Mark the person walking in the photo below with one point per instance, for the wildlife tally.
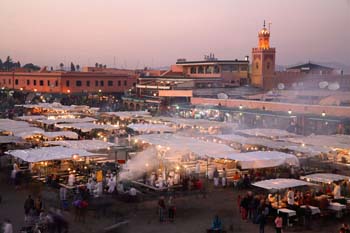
(171, 209)
(28, 205)
(161, 209)
(279, 223)
(224, 177)
(7, 226)
(216, 177)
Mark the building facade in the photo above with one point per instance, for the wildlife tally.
(68, 82)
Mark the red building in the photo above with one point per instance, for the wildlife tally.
(69, 82)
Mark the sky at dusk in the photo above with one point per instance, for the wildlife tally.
(142, 33)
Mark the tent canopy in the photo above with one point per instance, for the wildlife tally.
(10, 139)
(278, 184)
(186, 144)
(150, 128)
(128, 114)
(269, 133)
(89, 145)
(66, 120)
(197, 122)
(66, 134)
(328, 141)
(263, 159)
(49, 153)
(324, 177)
(86, 126)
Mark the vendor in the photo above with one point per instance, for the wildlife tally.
(71, 179)
(337, 191)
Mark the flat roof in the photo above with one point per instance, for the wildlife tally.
(211, 62)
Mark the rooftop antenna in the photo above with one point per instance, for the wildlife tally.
(264, 23)
(270, 26)
(114, 62)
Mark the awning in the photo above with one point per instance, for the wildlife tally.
(150, 128)
(89, 145)
(324, 177)
(278, 184)
(49, 153)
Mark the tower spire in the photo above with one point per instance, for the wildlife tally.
(264, 23)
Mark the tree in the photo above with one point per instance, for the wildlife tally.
(96, 64)
(1, 65)
(18, 65)
(51, 68)
(31, 66)
(72, 67)
(105, 66)
(100, 65)
(61, 66)
(77, 67)
(8, 63)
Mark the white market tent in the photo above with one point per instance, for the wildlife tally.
(31, 118)
(278, 145)
(324, 177)
(58, 107)
(128, 114)
(150, 128)
(186, 145)
(66, 120)
(263, 159)
(89, 145)
(48, 153)
(87, 126)
(278, 184)
(328, 141)
(201, 123)
(263, 132)
(65, 134)
(10, 139)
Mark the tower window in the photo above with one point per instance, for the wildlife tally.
(200, 70)
(268, 65)
(193, 70)
(257, 65)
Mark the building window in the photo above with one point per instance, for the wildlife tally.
(78, 83)
(134, 84)
(102, 83)
(41, 82)
(56, 83)
(67, 83)
(48, 83)
(257, 65)
(125, 83)
(119, 83)
(96, 83)
(28, 82)
(16, 81)
(244, 68)
(216, 69)
(193, 70)
(110, 83)
(34, 82)
(9, 81)
(268, 65)
(87, 83)
(200, 70)
(208, 70)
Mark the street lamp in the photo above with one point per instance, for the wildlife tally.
(323, 114)
(240, 106)
(289, 112)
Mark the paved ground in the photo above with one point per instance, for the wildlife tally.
(193, 215)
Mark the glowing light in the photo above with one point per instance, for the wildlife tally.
(21, 88)
(240, 106)
(99, 90)
(323, 114)
(68, 91)
(289, 111)
(35, 90)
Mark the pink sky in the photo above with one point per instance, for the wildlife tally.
(156, 32)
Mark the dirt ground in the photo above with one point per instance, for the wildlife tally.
(194, 214)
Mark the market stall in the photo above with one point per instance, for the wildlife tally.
(151, 128)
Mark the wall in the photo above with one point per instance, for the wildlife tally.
(275, 106)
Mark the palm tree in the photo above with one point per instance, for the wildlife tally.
(61, 66)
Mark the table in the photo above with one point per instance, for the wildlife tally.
(288, 212)
(314, 209)
(337, 207)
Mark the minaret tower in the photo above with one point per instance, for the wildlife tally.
(263, 60)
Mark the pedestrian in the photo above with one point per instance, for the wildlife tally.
(63, 198)
(216, 225)
(7, 226)
(262, 217)
(216, 177)
(171, 209)
(38, 205)
(279, 223)
(224, 178)
(244, 207)
(161, 209)
(28, 205)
